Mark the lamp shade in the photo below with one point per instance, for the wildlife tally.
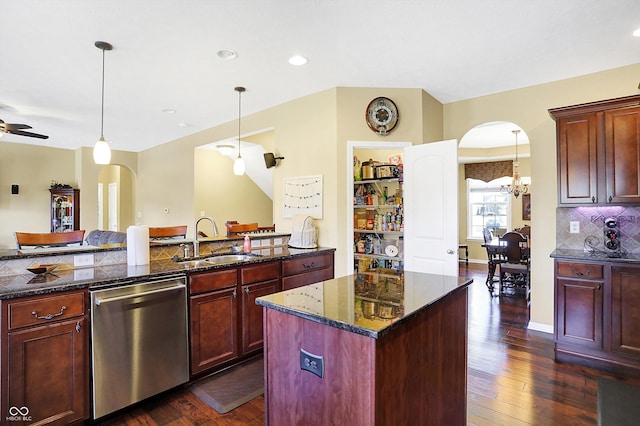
(102, 152)
(238, 166)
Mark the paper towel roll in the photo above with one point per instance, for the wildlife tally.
(138, 245)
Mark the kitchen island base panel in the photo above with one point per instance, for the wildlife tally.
(415, 374)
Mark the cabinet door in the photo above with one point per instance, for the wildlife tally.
(625, 311)
(579, 315)
(577, 159)
(214, 329)
(622, 136)
(49, 372)
(252, 333)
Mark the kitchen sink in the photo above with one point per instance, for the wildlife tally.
(221, 259)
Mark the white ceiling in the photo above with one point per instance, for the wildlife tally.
(164, 56)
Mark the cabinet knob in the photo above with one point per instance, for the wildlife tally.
(78, 327)
(593, 199)
(235, 293)
(610, 198)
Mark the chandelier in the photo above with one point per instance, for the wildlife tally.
(517, 187)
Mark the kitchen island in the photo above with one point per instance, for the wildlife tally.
(377, 348)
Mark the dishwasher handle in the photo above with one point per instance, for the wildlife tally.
(99, 301)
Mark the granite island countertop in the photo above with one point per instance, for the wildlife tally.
(370, 304)
(65, 279)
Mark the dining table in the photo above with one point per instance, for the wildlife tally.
(496, 255)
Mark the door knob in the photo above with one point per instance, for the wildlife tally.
(449, 251)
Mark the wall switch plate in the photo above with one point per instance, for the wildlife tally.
(83, 260)
(312, 363)
(574, 227)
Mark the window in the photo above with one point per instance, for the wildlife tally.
(488, 208)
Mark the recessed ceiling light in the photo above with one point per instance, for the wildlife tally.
(298, 60)
(169, 111)
(227, 54)
(182, 124)
(637, 32)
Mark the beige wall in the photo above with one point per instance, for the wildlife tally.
(224, 196)
(32, 168)
(528, 108)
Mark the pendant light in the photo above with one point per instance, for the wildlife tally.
(101, 150)
(238, 164)
(517, 187)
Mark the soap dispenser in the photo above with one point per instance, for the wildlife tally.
(247, 244)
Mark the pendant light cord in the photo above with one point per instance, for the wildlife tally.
(239, 90)
(102, 105)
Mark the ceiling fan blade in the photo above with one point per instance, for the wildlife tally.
(30, 134)
(12, 126)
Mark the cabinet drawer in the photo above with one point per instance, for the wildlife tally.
(299, 280)
(44, 309)
(587, 271)
(306, 264)
(207, 281)
(261, 272)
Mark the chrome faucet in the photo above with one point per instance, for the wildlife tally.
(196, 243)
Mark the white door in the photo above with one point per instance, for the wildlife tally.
(113, 207)
(431, 208)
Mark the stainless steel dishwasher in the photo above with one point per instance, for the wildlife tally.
(139, 342)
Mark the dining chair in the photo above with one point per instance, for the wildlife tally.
(493, 257)
(48, 239)
(167, 232)
(516, 263)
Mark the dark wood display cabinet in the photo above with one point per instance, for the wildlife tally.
(597, 312)
(45, 359)
(598, 152)
(65, 209)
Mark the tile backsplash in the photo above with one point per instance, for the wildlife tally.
(591, 221)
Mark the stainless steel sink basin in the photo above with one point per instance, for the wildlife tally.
(229, 258)
(218, 260)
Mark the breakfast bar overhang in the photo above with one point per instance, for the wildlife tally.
(377, 348)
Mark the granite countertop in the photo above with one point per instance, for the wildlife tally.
(370, 304)
(600, 256)
(22, 285)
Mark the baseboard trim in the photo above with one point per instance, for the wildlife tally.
(545, 328)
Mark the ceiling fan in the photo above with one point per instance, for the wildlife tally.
(18, 129)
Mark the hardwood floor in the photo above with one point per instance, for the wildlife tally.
(512, 377)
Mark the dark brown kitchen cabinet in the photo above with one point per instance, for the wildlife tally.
(597, 312)
(622, 154)
(305, 270)
(65, 209)
(579, 318)
(598, 147)
(45, 358)
(257, 280)
(625, 311)
(213, 310)
(226, 323)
